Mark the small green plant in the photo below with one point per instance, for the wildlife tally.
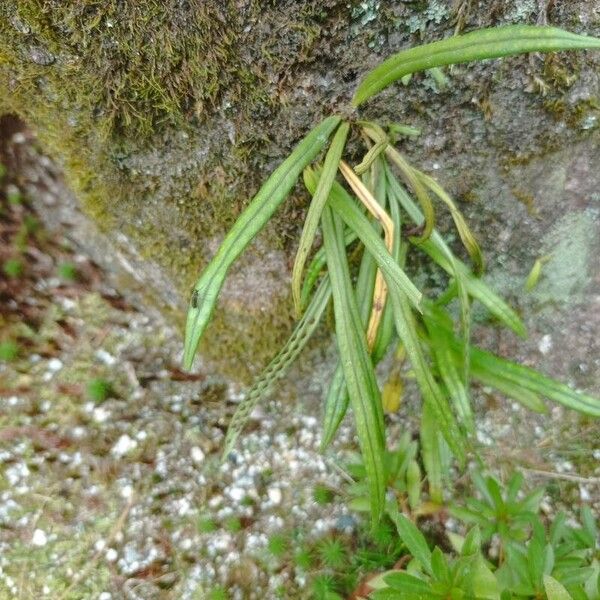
(206, 525)
(332, 553)
(324, 588)
(98, 390)
(218, 593)
(13, 268)
(323, 495)
(9, 350)
(67, 271)
(277, 545)
(381, 218)
(303, 558)
(232, 524)
(14, 197)
(402, 477)
(560, 563)
(500, 511)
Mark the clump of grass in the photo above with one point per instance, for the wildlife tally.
(323, 495)
(303, 558)
(332, 553)
(67, 271)
(218, 593)
(99, 389)
(9, 350)
(206, 525)
(233, 524)
(277, 545)
(13, 268)
(14, 197)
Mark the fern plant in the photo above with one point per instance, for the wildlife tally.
(385, 206)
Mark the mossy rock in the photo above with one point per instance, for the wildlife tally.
(166, 116)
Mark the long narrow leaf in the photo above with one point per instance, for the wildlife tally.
(280, 364)
(317, 264)
(409, 174)
(477, 45)
(438, 250)
(413, 538)
(432, 394)
(386, 329)
(467, 237)
(449, 374)
(251, 221)
(330, 165)
(336, 406)
(514, 377)
(378, 212)
(347, 209)
(336, 401)
(435, 454)
(535, 382)
(356, 362)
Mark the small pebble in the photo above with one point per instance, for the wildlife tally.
(124, 445)
(275, 495)
(197, 455)
(111, 555)
(545, 344)
(39, 538)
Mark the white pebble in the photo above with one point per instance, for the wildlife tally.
(275, 495)
(39, 538)
(197, 455)
(545, 344)
(55, 364)
(236, 493)
(123, 446)
(584, 494)
(105, 357)
(127, 491)
(100, 415)
(100, 545)
(111, 555)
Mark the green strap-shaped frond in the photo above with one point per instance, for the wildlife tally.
(316, 266)
(477, 45)
(440, 252)
(517, 381)
(406, 328)
(280, 364)
(251, 221)
(311, 223)
(347, 209)
(336, 400)
(356, 362)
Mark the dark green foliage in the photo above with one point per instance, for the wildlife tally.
(277, 545)
(232, 524)
(322, 494)
(9, 350)
(13, 268)
(99, 389)
(218, 593)
(206, 525)
(555, 561)
(332, 553)
(67, 271)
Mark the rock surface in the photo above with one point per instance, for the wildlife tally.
(166, 122)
